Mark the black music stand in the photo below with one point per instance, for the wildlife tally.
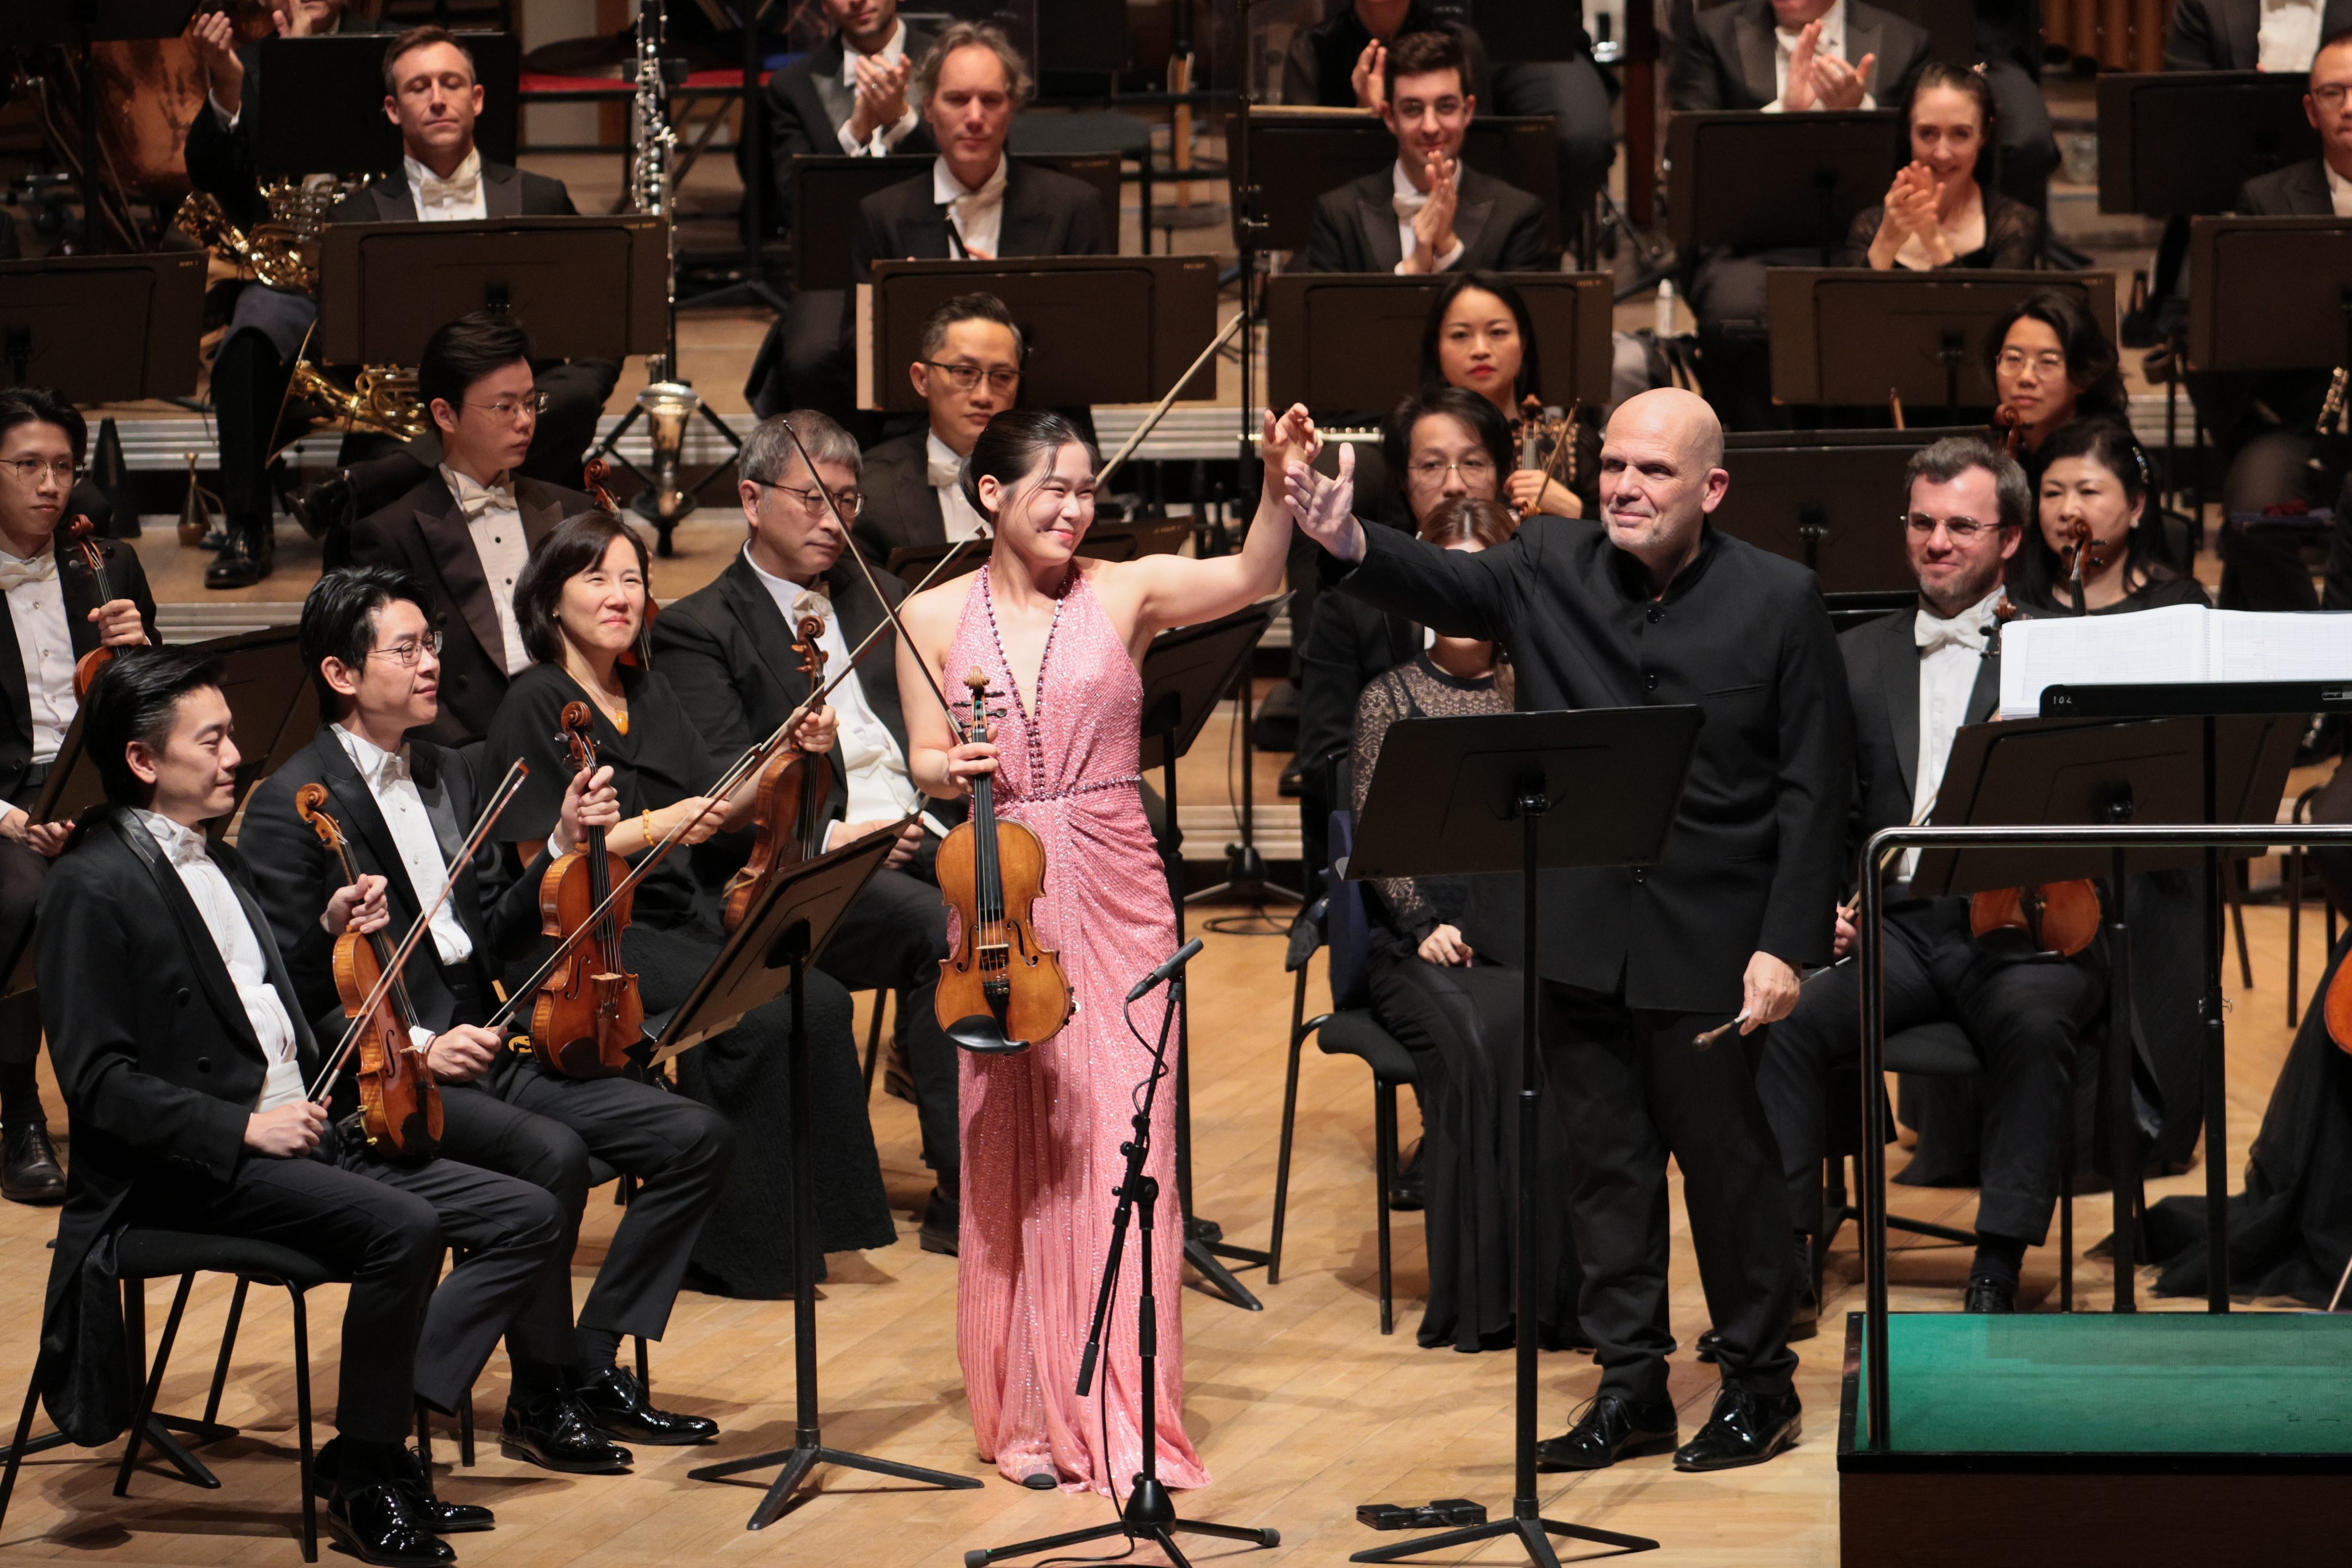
(2270, 293)
(1520, 793)
(77, 25)
(320, 104)
(2068, 772)
(2173, 143)
(1746, 180)
(1099, 329)
(1833, 500)
(828, 188)
(103, 329)
(1290, 156)
(1850, 336)
(1104, 541)
(1352, 340)
(769, 954)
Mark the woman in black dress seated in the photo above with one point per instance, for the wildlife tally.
(2052, 366)
(2095, 475)
(582, 604)
(1936, 213)
(1458, 1012)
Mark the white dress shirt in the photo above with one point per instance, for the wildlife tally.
(240, 952)
(1408, 199)
(1831, 42)
(2339, 191)
(496, 525)
(453, 200)
(1951, 652)
(2288, 37)
(37, 611)
(879, 787)
(975, 218)
(898, 130)
(945, 471)
(387, 777)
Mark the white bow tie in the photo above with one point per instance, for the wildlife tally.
(1932, 632)
(460, 190)
(182, 846)
(1408, 205)
(15, 574)
(813, 600)
(475, 500)
(947, 471)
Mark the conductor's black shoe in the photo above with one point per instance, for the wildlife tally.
(1987, 1294)
(29, 1172)
(1410, 1191)
(416, 1484)
(1611, 1430)
(942, 1218)
(556, 1433)
(1747, 1428)
(379, 1524)
(616, 1403)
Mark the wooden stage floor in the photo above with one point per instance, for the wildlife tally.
(1301, 1412)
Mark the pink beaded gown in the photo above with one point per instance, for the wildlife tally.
(1042, 1127)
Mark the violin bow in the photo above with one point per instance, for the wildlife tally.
(498, 803)
(1151, 420)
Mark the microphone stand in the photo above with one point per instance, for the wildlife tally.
(1151, 1513)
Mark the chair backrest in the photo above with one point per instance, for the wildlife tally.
(1348, 925)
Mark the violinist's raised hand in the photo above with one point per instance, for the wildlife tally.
(589, 801)
(358, 908)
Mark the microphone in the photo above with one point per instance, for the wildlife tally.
(1183, 956)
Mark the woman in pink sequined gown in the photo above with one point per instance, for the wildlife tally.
(1060, 638)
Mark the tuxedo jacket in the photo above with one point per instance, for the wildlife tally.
(294, 874)
(1726, 62)
(424, 535)
(1882, 675)
(1501, 228)
(507, 192)
(2299, 190)
(1047, 212)
(807, 106)
(1751, 862)
(80, 587)
(160, 1068)
(2225, 34)
(901, 507)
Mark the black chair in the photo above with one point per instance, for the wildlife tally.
(143, 1255)
(1348, 1030)
(873, 1034)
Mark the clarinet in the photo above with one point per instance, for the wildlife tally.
(652, 171)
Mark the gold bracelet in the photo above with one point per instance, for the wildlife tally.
(646, 817)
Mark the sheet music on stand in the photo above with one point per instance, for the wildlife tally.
(2185, 646)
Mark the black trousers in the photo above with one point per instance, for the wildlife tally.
(22, 871)
(1632, 1085)
(2026, 1017)
(895, 936)
(802, 364)
(248, 387)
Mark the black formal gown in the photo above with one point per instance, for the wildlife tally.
(747, 1244)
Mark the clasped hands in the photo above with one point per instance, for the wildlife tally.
(1913, 211)
(881, 99)
(1817, 80)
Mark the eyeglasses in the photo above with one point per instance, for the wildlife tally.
(813, 502)
(1962, 528)
(509, 409)
(1477, 466)
(2047, 362)
(408, 650)
(2331, 94)
(30, 469)
(1001, 378)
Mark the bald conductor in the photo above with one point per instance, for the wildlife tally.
(1649, 604)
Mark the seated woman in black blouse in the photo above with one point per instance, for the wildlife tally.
(1937, 213)
(1457, 1011)
(582, 601)
(2096, 477)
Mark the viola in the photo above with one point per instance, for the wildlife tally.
(2056, 917)
(2009, 429)
(1536, 426)
(2340, 1008)
(85, 539)
(789, 822)
(1000, 990)
(588, 1012)
(400, 1104)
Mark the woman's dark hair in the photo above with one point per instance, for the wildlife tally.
(2038, 569)
(1958, 79)
(338, 620)
(39, 406)
(2091, 364)
(462, 351)
(1488, 522)
(136, 698)
(1016, 443)
(578, 542)
(1482, 418)
(1530, 377)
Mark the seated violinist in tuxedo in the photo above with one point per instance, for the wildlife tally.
(732, 652)
(52, 602)
(1915, 678)
(969, 369)
(403, 806)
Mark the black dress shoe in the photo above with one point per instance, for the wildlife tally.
(1747, 1428)
(29, 1172)
(322, 506)
(416, 1483)
(1611, 1429)
(616, 1403)
(379, 1524)
(1410, 1191)
(244, 560)
(1987, 1294)
(942, 1218)
(557, 1433)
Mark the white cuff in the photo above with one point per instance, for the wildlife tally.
(225, 118)
(1868, 101)
(422, 1036)
(890, 136)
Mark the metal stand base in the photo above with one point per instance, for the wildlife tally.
(802, 1460)
(1534, 1536)
(1149, 1516)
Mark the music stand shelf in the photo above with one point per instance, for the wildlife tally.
(2270, 293)
(1849, 335)
(2178, 142)
(1352, 340)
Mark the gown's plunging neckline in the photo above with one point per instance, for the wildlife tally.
(1027, 710)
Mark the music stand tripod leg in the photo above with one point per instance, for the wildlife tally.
(808, 1450)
